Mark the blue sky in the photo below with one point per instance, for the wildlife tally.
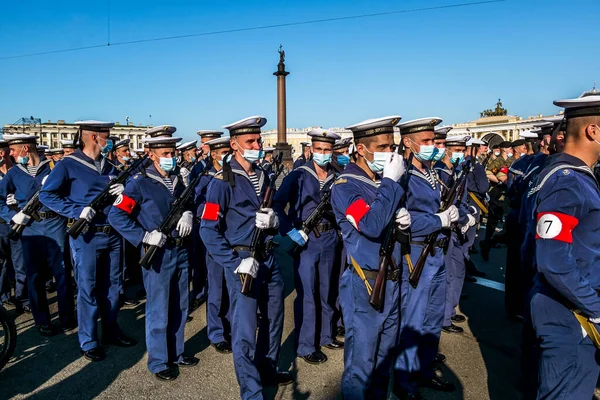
(452, 62)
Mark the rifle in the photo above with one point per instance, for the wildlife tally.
(258, 234)
(386, 251)
(428, 244)
(105, 198)
(315, 217)
(31, 208)
(177, 209)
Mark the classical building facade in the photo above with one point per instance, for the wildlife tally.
(51, 133)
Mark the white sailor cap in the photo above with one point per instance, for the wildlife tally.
(580, 107)
(219, 143)
(47, 151)
(20, 138)
(55, 151)
(457, 140)
(268, 149)
(441, 132)
(475, 142)
(342, 143)
(529, 135)
(556, 120)
(187, 146)
(161, 130)
(42, 147)
(122, 143)
(67, 144)
(205, 134)
(544, 128)
(419, 125)
(374, 126)
(94, 125)
(162, 142)
(323, 135)
(246, 126)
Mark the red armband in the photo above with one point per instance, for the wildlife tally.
(125, 203)
(211, 212)
(555, 225)
(356, 211)
(504, 170)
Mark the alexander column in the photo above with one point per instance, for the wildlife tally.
(282, 144)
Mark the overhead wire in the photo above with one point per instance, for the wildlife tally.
(247, 29)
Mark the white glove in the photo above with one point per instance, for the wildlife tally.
(184, 172)
(116, 189)
(594, 320)
(449, 216)
(266, 219)
(10, 200)
(87, 213)
(403, 219)
(155, 238)
(248, 266)
(471, 222)
(394, 167)
(20, 218)
(185, 223)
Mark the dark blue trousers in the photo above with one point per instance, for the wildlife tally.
(43, 249)
(167, 300)
(568, 360)
(313, 307)
(455, 277)
(198, 266)
(218, 326)
(255, 354)
(97, 257)
(12, 267)
(370, 338)
(421, 324)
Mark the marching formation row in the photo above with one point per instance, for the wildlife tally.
(380, 236)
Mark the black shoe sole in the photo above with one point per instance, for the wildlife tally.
(315, 362)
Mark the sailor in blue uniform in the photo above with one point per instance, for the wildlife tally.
(341, 158)
(267, 161)
(42, 240)
(365, 198)
(231, 214)
(565, 305)
(12, 267)
(205, 136)
(477, 187)
(218, 326)
(448, 169)
(305, 156)
(68, 191)
(421, 323)
(122, 154)
(341, 154)
(187, 153)
(68, 147)
(137, 214)
(302, 190)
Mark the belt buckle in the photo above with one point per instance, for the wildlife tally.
(106, 229)
(395, 276)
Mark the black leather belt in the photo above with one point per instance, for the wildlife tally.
(269, 246)
(321, 228)
(177, 242)
(102, 229)
(441, 243)
(47, 214)
(372, 275)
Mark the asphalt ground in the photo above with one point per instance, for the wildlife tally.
(483, 362)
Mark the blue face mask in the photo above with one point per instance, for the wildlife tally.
(343, 160)
(321, 159)
(126, 159)
(167, 164)
(23, 160)
(457, 157)
(107, 148)
(426, 152)
(440, 154)
(193, 159)
(252, 156)
(379, 160)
